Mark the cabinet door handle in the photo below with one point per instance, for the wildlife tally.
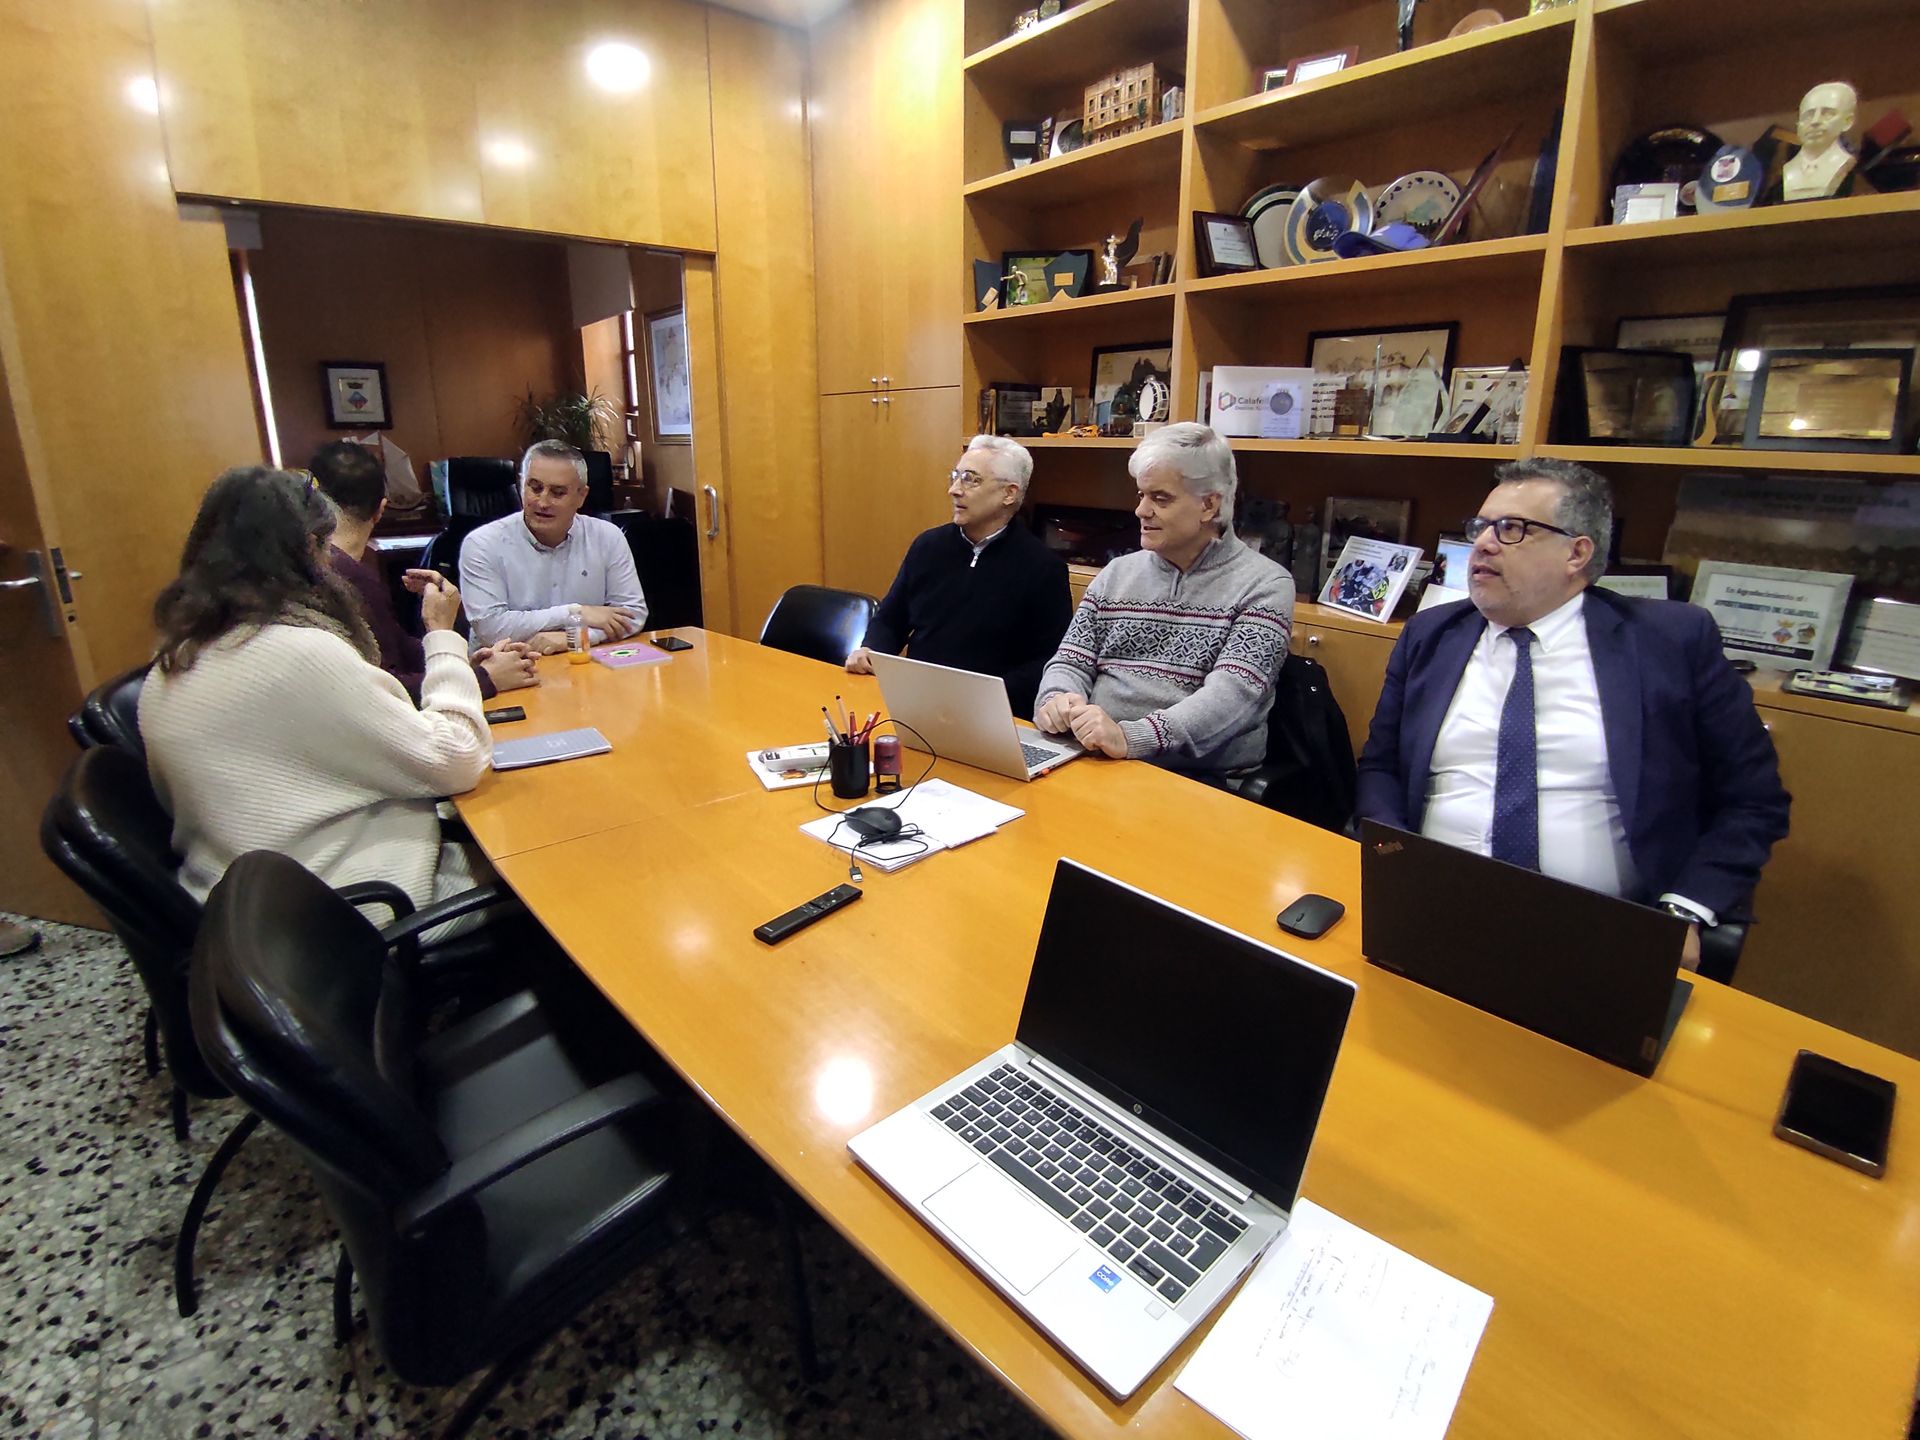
(1313, 639)
(874, 380)
(873, 399)
(886, 399)
(713, 512)
(887, 380)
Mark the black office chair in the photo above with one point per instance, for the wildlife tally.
(107, 832)
(1309, 770)
(818, 622)
(110, 715)
(599, 482)
(488, 1182)
(1720, 945)
(481, 487)
(666, 553)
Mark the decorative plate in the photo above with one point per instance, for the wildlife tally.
(1268, 212)
(1321, 213)
(1068, 136)
(1423, 200)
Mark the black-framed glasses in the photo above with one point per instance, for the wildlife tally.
(1509, 529)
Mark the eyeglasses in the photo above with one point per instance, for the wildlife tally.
(1509, 529)
(967, 480)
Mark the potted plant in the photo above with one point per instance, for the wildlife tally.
(586, 422)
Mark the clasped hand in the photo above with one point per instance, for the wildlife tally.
(1092, 726)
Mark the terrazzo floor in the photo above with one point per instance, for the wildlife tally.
(92, 1186)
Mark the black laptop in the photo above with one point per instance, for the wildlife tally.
(1586, 969)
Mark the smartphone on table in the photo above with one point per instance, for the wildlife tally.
(1837, 1111)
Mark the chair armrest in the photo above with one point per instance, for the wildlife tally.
(527, 1142)
(406, 930)
(379, 892)
(1254, 786)
(452, 827)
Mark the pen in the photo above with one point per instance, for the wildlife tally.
(833, 735)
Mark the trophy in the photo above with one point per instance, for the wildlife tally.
(1115, 257)
(1407, 7)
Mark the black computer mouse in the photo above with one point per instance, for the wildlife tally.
(1311, 916)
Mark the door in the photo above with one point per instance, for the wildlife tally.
(919, 220)
(853, 173)
(884, 461)
(33, 709)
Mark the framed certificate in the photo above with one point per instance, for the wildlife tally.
(1884, 638)
(1779, 619)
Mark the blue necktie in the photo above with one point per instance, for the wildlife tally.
(1516, 776)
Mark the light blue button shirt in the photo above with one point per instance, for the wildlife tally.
(515, 587)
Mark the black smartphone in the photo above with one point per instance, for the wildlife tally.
(1837, 1111)
(505, 713)
(672, 642)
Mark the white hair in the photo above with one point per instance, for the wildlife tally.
(1200, 455)
(1016, 461)
(555, 450)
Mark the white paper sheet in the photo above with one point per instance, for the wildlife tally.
(1337, 1335)
(946, 816)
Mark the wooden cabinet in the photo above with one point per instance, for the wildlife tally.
(1838, 936)
(885, 122)
(1354, 654)
(884, 462)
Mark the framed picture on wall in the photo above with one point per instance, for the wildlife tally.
(355, 393)
(669, 377)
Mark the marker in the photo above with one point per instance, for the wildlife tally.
(845, 724)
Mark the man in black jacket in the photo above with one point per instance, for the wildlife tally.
(982, 593)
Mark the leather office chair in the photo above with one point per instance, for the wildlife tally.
(110, 715)
(599, 482)
(666, 553)
(818, 622)
(107, 832)
(1309, 770)
(481, 487)
(487, 1183)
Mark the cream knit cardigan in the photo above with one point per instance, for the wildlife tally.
(285, 739)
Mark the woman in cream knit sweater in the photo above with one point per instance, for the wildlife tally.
(268, 722)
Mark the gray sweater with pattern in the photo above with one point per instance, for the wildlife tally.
(1184, 662)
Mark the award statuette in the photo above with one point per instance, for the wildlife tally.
(1115, 257)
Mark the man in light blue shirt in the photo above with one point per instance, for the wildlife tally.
(518, 574)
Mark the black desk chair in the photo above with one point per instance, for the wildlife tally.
(1309, 770)
(666, 554)
(107, 832)
(818, 622)
(487, 1183)
(110, 715)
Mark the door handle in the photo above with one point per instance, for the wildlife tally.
(713, 513)
(27, 584)
(32, 580)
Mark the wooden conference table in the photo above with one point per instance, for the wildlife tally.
(1660, 1264)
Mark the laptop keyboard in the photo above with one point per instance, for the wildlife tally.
(1142, 1214)
(1037, 754)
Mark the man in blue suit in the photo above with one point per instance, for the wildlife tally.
(1598, 738)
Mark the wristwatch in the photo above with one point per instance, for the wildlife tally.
(1681, 912)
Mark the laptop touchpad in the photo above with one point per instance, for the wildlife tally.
(1004, 1226)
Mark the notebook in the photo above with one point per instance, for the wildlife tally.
(1116, 1168)
(1589, 970)
(966, 716)
(545, 749)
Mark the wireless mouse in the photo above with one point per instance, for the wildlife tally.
(1311, 916)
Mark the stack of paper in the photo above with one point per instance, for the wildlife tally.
(1337, 1335)
(943, 815)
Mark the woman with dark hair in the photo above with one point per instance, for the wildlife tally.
(268, 721)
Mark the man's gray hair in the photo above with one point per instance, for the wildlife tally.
(1586, 502)
(1202, 456)
(555, 450)
(1015, 460)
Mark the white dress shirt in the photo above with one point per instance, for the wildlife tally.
(515, 587)
(1582, 836)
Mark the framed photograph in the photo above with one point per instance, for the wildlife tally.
(1014, 408)
(1126, 375)
(1369, 578)
(1223, 244)
(1351, 517)
(1474, 399)
(1023, 277)
(1780, 619)
(355, 394)
(1347, 353)
(1830, 400)
(670, 377)
(1624, 397)
(1312, 67)
(1273, 78)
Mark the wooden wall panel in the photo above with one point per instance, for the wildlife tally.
(131, 369)
(477, 110)
(766, 311)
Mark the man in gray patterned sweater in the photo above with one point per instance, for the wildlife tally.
(1173, 653)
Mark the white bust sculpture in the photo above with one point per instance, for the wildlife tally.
(1823, 162)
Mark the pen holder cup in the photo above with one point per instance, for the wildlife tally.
(848, 769)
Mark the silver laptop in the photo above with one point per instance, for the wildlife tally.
(1115, 1170)
(967, 717)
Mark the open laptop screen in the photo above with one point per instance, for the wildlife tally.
(1222, 1043)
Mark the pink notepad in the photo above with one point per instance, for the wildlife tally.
(627, 652)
